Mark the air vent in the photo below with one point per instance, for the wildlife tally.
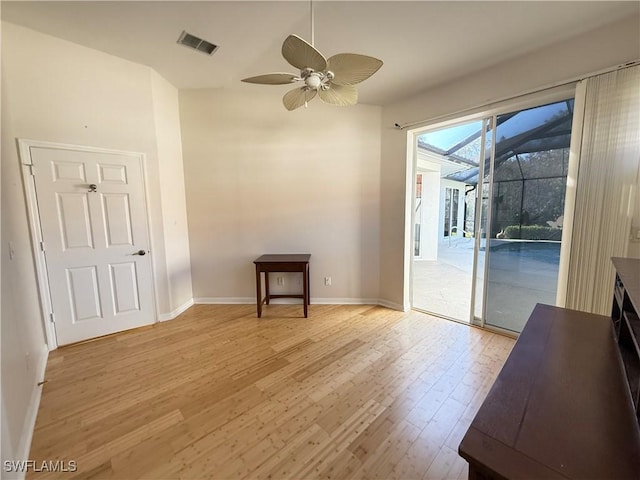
(196, 43)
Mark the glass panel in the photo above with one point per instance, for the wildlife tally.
(453, 140)
(443, 270)
(527, 205)
(527, 121)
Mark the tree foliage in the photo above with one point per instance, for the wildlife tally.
(529, 189)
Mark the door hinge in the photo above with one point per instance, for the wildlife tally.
(30, 165)
(53, 319)
(42, 246)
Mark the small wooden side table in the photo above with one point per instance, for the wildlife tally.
(281, 263)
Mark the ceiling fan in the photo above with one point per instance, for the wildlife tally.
(331, 79)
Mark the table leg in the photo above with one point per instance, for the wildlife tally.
(305, 288)
(258, 292)
(266, 288)
(308, 285)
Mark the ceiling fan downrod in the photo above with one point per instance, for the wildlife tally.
(312, 29)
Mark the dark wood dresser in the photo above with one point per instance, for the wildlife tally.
(560, 407)
(625, 310)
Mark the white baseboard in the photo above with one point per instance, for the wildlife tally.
(285, 301)
(24, 445)
(224, 300)
(344, 301)
(392, 305)
(171, 315)
(291, 301)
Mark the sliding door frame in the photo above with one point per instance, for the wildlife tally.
(477, 229)
(489, 112)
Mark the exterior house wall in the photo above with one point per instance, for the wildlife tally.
(430, 213)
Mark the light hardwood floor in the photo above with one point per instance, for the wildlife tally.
(351, 392)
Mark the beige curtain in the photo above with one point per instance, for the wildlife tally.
(606, 187)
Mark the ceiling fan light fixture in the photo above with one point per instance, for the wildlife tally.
(313, 81)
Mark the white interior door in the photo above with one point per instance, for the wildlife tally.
(96, 243)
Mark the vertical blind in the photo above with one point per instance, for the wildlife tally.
(607, 185)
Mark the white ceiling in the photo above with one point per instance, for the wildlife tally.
(422, 43)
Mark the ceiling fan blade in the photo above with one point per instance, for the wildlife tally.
(272, 79)
(351, 68)
(341, 95)
(297, 97)
(302, 54)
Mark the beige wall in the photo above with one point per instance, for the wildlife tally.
(608, 46)
(22, 336)
(260, 179)
(172, 194)
(57, 91)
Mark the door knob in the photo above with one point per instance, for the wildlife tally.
(139, 252)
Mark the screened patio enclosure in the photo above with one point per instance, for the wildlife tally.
(521, 181)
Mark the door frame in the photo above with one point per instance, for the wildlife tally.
(489, 111)
(35, 230)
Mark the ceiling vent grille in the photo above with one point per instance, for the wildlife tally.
(197, 43)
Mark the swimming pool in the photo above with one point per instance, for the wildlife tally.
(542, 251)
(520, 274)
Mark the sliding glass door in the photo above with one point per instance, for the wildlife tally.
(528, 183)
(489, 249)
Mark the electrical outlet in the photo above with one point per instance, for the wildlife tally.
(280, 280)
(327, 281)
